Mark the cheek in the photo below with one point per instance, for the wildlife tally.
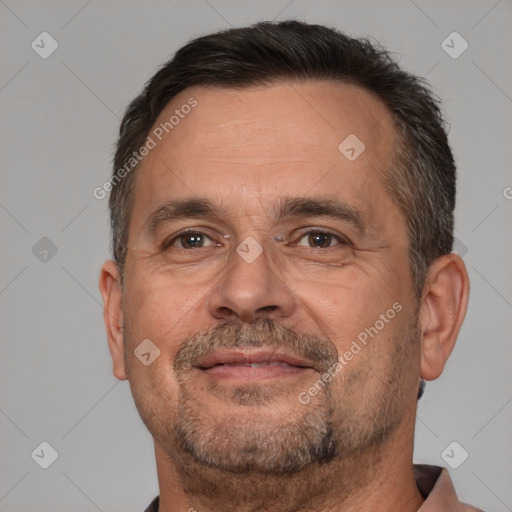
(159, 311)
(383, 367)
(366, 329)
(349, 303)
(154, 331)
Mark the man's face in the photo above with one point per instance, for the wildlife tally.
(252, 303)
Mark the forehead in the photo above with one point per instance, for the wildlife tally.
(236, 121)
(268, 141)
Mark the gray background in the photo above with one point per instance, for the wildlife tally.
(59, 119)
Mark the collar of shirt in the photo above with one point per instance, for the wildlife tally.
(434, 484)
(436, 487)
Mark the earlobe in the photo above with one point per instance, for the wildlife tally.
(443, 308)
(113, 316)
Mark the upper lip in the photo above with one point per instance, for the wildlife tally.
(223, 356)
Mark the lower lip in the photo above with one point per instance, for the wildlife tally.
(254, 373)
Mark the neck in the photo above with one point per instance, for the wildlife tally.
(378, 479)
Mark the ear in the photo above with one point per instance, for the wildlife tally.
(443, 308)
(113, 316)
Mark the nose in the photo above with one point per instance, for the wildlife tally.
(250, 290)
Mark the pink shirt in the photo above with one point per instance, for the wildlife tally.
(436, 486)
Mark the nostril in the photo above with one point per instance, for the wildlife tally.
(267, 309)
(226, 312)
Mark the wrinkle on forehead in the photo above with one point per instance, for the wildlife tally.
(267, 117)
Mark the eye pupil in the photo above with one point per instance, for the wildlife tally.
(192, 240)
(320, 239)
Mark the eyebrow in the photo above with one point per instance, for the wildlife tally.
(199, 208)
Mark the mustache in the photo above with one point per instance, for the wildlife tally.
(320, 350)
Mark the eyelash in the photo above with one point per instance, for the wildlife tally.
(341, 240)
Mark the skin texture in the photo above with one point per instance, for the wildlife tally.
(250, 444)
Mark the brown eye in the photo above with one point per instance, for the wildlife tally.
(320, 239)
(191, 240)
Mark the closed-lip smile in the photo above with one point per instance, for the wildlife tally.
(253, 363)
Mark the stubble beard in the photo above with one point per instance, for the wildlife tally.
(256, 443)
(329, 428)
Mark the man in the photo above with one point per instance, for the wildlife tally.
(282, 283)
